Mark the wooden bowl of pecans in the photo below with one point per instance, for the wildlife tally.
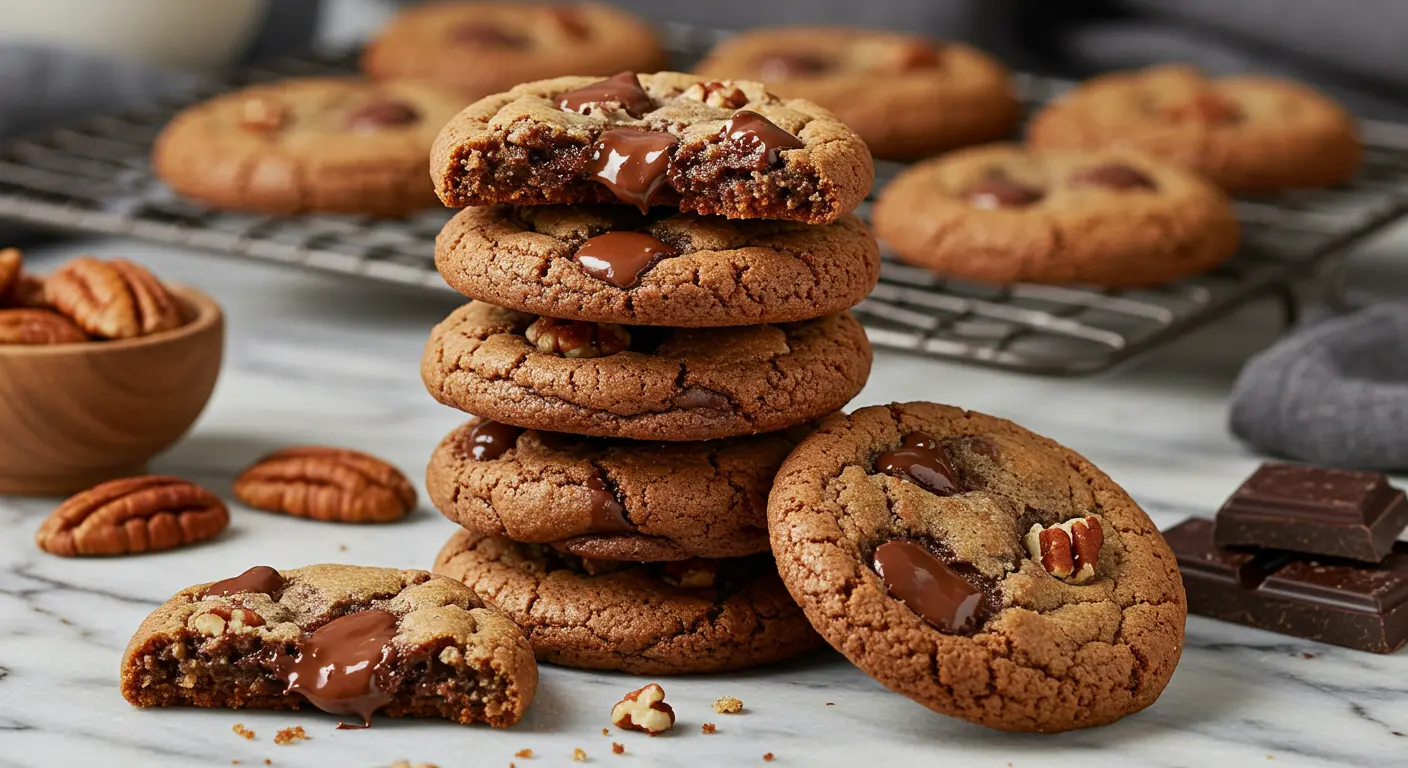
(102, 366)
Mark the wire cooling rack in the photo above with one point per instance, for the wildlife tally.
(95, 177)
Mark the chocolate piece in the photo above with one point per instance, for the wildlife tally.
(922, 461)
(623, 90)
(338, 666)
(1314, 510)
(700, 398)
(928, 586)
(1113, 176)
(489, 440)
(487, 35)
(382, 114)
(1001, 192)
(632, 163)
(608, 514)
(260, 578)
(788, 65)
(1331, 600)
(622, 258)
(757, 134)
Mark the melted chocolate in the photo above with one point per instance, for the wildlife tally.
(260, 578)
(1113, 176)
(623, 90)
(622, 258)
(632, 163)
(486, 35)
(699, 398)
(922, 461)
(608, 514)
(929, 587)
(382, 114)
(1001, 192)
(789, 65)
(337, 668)
(489, 440)
(757, 134)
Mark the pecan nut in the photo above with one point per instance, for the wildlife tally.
(644, 710)
(1070, 550)
(575, 338)
(11, 266)
(695, 573)
(113, 299)
(133, 515)
(717, 94)
(38, 326)
(261, 114)
(329, 484)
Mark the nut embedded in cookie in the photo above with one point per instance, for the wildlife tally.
(644, 709)
(577, 339)
(1070, 550)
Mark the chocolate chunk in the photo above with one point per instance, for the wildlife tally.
(486, 35)
(760, 137)
(489, 440)
(922, 461)
(632, 163)
(623, 90)
(1314, 510)
(928, 586)
(1331, 600)
(622, 258)
(608, 514)
(1112, 176)
(699, 398)
(339, 665)
(260, 579)
(788, 65)
(382, 114)
(1001, 192)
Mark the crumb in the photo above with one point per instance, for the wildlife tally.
(830, 703)
(708, 728)
(767, 756)
(341, 547)
(578, 756)
(605, 731)
(267, 761)
(1396, 733)
(523, 753)
(289, 735)
(619, 749)
(727, 705)
(243, 731)
(1307, 655)
(234, 762)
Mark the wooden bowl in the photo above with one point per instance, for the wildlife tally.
(75, 415)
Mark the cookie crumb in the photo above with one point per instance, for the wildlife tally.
(619, 749)
(579, 756)
(708, 728)
(830, 703)
(341, 547)
(605, 731)
(267, 761)
(243, 731)
(1307, 655)
(767, 756)
(289, 735)
(523, 753)
(727, 705)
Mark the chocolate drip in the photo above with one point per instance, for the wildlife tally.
(757, 134)
(632, 163)
(623, 90)
(622, 258)
(338, 666)
(608, 514)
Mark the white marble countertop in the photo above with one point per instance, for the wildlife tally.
(321, 360)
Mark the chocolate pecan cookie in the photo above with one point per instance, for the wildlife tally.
(906, 95)
(694, 616)
(337, 145)
(984, 571)
(348, 640)
(1000, 213)
(475, 49)
(611, 264)
(643, 383)
(607, 498)
(669, 139)
(1246, 133)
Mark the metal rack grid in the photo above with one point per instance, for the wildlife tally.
(95, 177)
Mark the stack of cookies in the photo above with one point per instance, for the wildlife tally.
(661, 268)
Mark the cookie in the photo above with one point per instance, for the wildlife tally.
(607, 498)
(1002, 214)
(1247, 133)
(610, 264)
(692, 617)
(475, 49)
(270, 639)
(906, 95)
(640, 382)
(986, 572)
(333, 145)
(730, 149)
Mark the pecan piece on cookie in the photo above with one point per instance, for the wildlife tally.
(131, 516)
(11, 266)
(329, 484)
(260, 114)
(572, 338)
(38, 326)
(1068, 550)
(115, 299)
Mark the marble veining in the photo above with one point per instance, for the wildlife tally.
(318, 360)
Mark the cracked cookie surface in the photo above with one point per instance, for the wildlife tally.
(336, 145)
(231, 644)
(631, 618)
(1002, 214)
(1032, 651)
(716, 272)
(707, 152)
(610, 499)
(672, 384)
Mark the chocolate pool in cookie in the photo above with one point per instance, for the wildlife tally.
(986, 572)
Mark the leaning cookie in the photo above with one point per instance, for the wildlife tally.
(984, 571)
(348, 640)
(1246, 133)
(335, 145)
(695, 616)
(1003, 214)
(610, 264)
(640, 382)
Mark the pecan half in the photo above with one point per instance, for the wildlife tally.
(260, 114)
(133, 515)
(26, 293)
(1068, 550)
(644, 709)
(38, 326)
(11, 265)
(575, 338)
(113, 299)
(330, 484)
